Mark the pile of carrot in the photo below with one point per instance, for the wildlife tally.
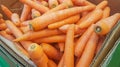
(59, 33)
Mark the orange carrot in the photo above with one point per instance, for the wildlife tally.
(8, 31)
(106, 12)
(81, 42)
(103, 26)
(6, 11)
(7, 36)
(1, 16)
(35, 13)
(3, 26)
(25, 29)
(25, 23)
(25, 12)
(102, 4)
(44, 3)
(44, 20)
(69, 47)
(61, 46)
(35, 5)
(51, 39)
(15, 18)
(2, 20)
(84, 13)
(95, 16)
(70, 20)
(52, 3)
(61, 62)
(38, 34)
(89, 51)
(50, 51)
(37, 55)
(51, 63)
(68, 2)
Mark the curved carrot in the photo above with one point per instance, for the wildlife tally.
(44, 20)
(69, 47)
(3, 26)
(103, 26)
(51, 64)
(35, 13)
(61, 46)
(50, 51)
(51, 39)
(38, 34)
(6, 11)
(102, 4)
(25, 12)
(70, 20)
(95, 16)
(15, 18)
(35, 5)
(81, 42)
(88, 52)
(52, 3)
(106, 12)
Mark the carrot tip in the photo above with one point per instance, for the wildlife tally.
(98, 29)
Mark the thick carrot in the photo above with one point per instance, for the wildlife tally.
(51, 63)
(106, 12)
(52, 3)
(25, 12)
(37, 55)
(51, 52)
(51, 39)
(35, 5)
(103, 26)
(35, 13)
(70, 20)
(61, 62)
(69, 47)
(95, 16)
(61, 46)
(38, 34)
(3, 26)
(15, 18)
(6, 11)
(44, 20)
(81, 42)
(89, 51)
(102, 4)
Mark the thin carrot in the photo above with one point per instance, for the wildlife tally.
(37, 55)
(103, 26)
(52, 3)
(51, 63)
(3, 26)
(35, 13)
(61, 46)
(50, 51)
(69, 47)
(81, 42)
(106, 12)
(95, 16)
(51, 39)
(70, 20)
(38, 34)
(102, 4)
(61, 62)
(15, 18)
(44, 20)
(35, 5)
(88, 52)
(6, 11)
(25, 12)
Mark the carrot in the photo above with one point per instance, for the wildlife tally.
(84, 13)
(35, 13)
(103, 26)
(37, 55)
(88, 52)
(38, 34)
(61, 62)
(61, 46)
(51, 39)
(106, 12)
(95, 16)
(7, 36)
(51, 64)
(25, 12)
(15, 18)
(25, 29)
(69, 47)
(81, 42)
(8, 31)
(1, 16)
(35, 5)
(50, 51)
(70, 20)
(44, 20)
(52, 3)
(2, 20)
(79, 31)
(25, 23)
(3, 26)
(102, 4)
(44, 3)
(6, 11)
